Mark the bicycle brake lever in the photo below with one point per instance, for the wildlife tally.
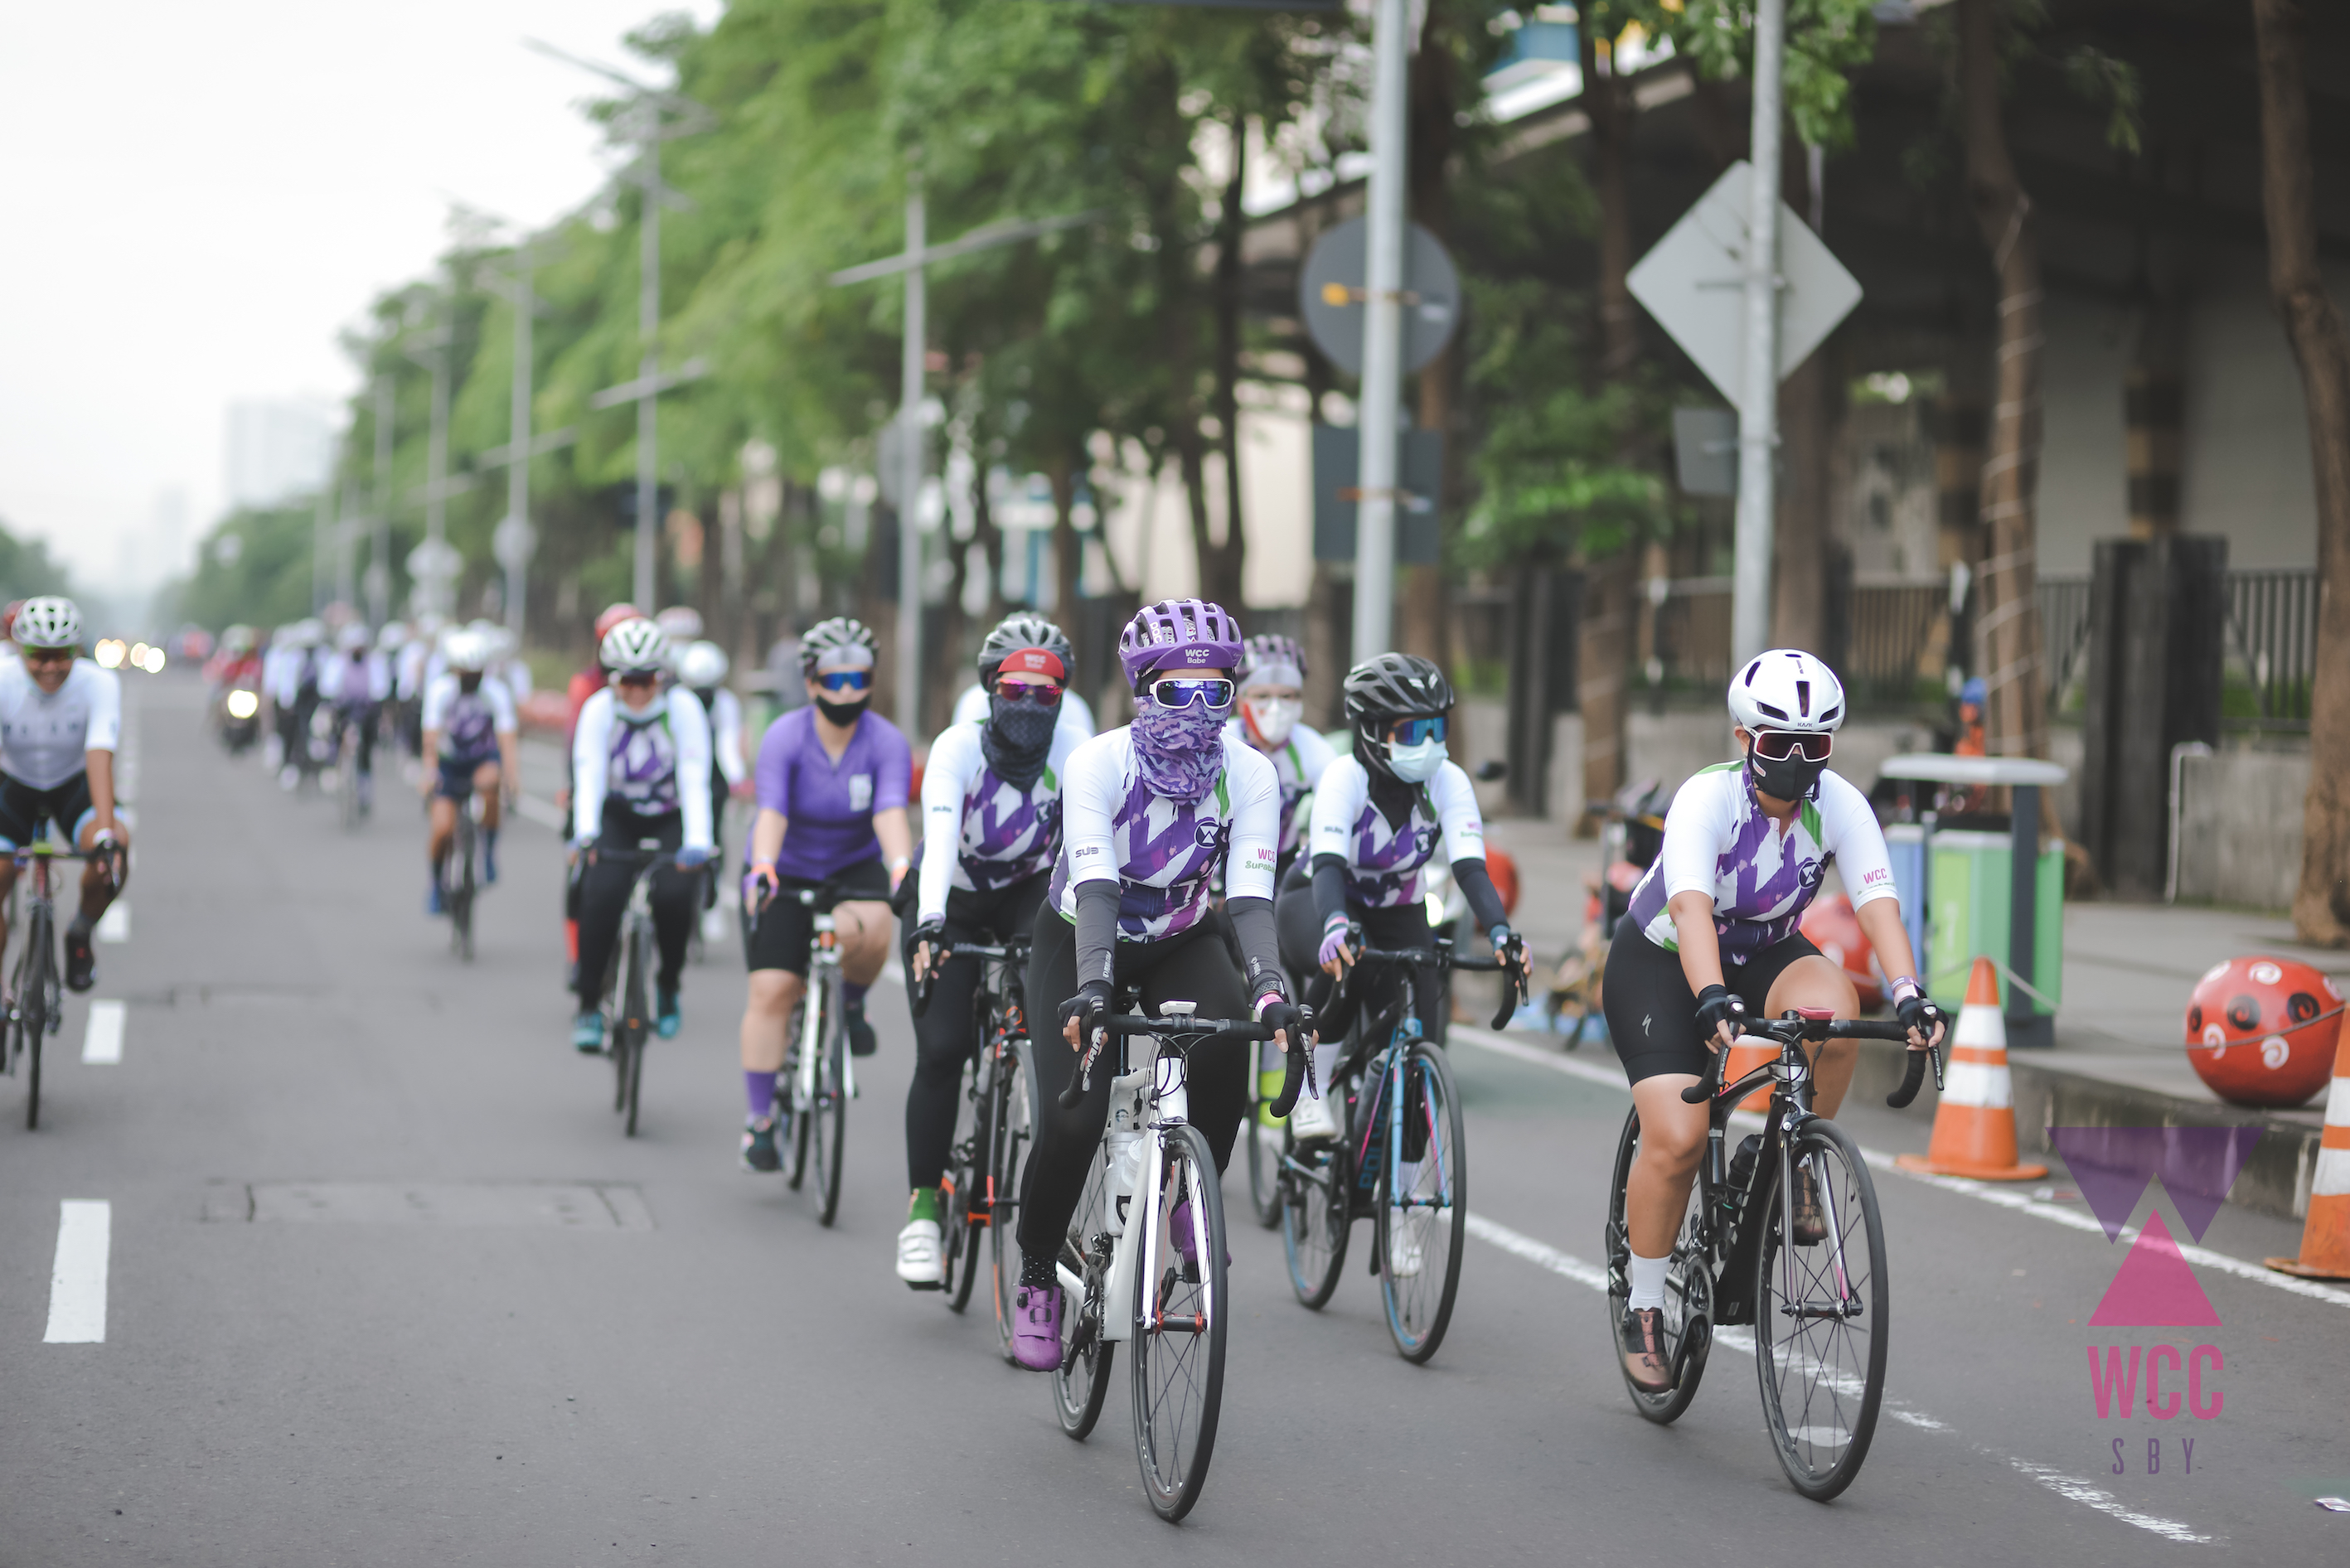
(1297, 1075)
(1082, 1084)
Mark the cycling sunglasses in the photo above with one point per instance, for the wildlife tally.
(1413, 731)
(1778, 746)
(1017, 690)
(1182, 691)
(845, 680)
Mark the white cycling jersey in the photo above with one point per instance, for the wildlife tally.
(1164, 854)
(45, 737)
(1384, 859)
(1076, 718)
(652, 766)
(1761, 875)
(980, 832)
(366, 678)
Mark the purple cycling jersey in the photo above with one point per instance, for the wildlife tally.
(828, 806)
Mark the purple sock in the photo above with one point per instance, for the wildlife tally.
(759, 1094)
(854, 993)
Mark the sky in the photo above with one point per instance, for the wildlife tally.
(201, 196)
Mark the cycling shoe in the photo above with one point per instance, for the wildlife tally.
(1036, 1327)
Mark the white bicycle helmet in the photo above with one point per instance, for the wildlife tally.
(701, 665)
(1786, 689)
(50, 621)
(681, 624)
(353, 638)
(635, 646)
(465, 653)
(394, 635)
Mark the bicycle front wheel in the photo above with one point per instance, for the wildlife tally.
(1689, 1291)
(1179, 1326)
(1821, 1315)
(1010, 1138)
(830, 1113)
(629, 1034)
(1263, 1166)
(966, 1177)
(788, 1089)
(1082, 1380)
(1423, 1207)
(34, 984)
(460, 889)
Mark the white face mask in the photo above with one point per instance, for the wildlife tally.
(1416, 764)
(1274, 717)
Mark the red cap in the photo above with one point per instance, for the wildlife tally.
(1033, 661)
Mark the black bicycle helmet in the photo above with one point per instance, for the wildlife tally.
(840, 631)
(1020, 629)
(1393, 686)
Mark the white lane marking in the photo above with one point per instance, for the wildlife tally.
(2001, 1197)
(114, 925)
(544, 813)
(101, 1039)
(77, 1279)
(1742, 1340)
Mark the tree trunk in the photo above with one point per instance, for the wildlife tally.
(1603, 634)
(2321, 908)
(1222, 565)
(1425, 627)
(2007, 631)
(1068, 550)
(1799, 592)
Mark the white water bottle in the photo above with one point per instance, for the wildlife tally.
(1125, 1161)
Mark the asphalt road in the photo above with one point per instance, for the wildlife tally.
(454, 1358)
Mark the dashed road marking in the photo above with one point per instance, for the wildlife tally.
(77, 1279)
(114, 925)
(101, 1039)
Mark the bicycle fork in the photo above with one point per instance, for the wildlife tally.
(1148, 1114)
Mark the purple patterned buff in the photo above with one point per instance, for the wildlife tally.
(643, 769)
(1180, 750)
(1009, 833)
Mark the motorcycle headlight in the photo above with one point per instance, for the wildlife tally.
(1435, 908)
(242, 704)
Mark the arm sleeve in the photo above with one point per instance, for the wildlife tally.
(105, 731)
(945, 782)
(1329, 888)
(502, 705)
(1089, 812)
(1857, 844)
(436, 705)
(894, 768)
(1697, 824)
(590, 749)
(1254, 856)
(1097, 935)
(1476, 885)
(692, 729)
(1260, 946)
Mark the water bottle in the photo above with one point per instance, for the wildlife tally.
(1125, 1162)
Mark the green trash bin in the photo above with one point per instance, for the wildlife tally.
(1971, 885)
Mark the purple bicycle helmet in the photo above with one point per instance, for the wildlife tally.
(1187, 634)
(1271, 649)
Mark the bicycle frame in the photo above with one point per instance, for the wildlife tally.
(823, 967)
(1151, 1097)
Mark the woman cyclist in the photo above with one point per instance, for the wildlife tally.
(991, 829)
(1712, 940)
(1025, 628)
(1272, 700)
(1149, 813)
(469, 746)
(1378, 816)
(641, 770)
(831, 782)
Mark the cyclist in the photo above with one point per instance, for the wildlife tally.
(1026, 629)
(701, 669)
(1150, 813)
(641, 769)
(292, 672)
(60, 719)
(1712, 937)
(1272, 700)
(831, 782)
(469, 747)
(358, 682)
(411, 678)
(1378, 816)
(991, 829)
(583, 685)
(682, 624)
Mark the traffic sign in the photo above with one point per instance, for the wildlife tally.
(1337, 465)
(1693, 283)
(1330, 297)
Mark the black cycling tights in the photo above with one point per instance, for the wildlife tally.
(947, 1033)
(604, 898)
(1193, 967)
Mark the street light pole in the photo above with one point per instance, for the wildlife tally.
(910, 471)
(378, 577)
(514, 538)
(648, 362)
(1757, 411)
(1382, 384)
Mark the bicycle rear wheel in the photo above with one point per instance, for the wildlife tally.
(1263, 1166)
(964, 1213)
(629, 1036)
(1179, 1329)
(1423, 1207)
(460, 889)
(1317, 1183)
(1689, 1291)
(642, 939)
(1013, 1131)
(1821, 1318)
(830, 1114)
(1082, 1380)
(35, 985)
(787, 1090)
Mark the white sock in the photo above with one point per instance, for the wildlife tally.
(1648, 1280)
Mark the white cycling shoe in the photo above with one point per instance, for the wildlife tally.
(1404, 1237)
(919, 1264)
(1312, 1119)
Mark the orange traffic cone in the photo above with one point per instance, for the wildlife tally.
(1974, 1129)
(1744, 1059)
(2326, 1236)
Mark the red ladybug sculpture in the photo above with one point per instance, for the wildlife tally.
(1834, 930)
(2262, 1031)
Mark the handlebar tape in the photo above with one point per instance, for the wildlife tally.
(1297, 1069)
(1708, 1083)
(1914, 1075)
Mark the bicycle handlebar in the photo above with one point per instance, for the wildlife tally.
(1512, 989)
(1786, 1030)
(1205, 1031)
(919, 997)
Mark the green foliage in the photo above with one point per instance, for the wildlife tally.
(253, 568)
(1826, 41)
(25, 569)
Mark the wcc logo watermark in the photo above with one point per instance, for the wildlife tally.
(2170, 1377)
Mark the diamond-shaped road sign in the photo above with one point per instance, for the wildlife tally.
(1692, 283)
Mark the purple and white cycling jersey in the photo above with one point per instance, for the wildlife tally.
(1299, 763)
(652, 767)
(1760, 876)
(469, 722)
(1384, 859)
(1164, 854)
(979, 832)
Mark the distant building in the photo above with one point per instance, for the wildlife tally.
(278, 449)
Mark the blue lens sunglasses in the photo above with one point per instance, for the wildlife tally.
(1413, 731)
(845, 680)
(1181, 692)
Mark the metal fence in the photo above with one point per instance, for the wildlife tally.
(2063, 633)
(2273, 630)
(1888, 635)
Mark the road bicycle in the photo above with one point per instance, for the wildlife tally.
(459, 878)
(628, 980)
(818, 1077)
(349, 800)
(1818, 1310)
(1401, 1162)
(1152, 1276)
(35, 993)
(983, 1165)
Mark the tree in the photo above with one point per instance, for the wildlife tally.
(2321, 908)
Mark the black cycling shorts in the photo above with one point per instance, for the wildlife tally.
(786, 926)
(23, 809)
(1652, 1012)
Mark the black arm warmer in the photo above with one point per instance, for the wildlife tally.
(1476, 885)
(1330, 887)
(1260, 946)
(1097, 934)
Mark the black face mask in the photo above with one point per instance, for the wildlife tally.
(842, 713)
(1017, 739)
(1792, 778)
